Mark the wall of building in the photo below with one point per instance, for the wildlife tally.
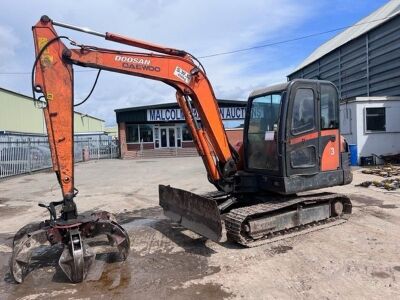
(380, 143)
(353, 125)
(131, 150)
(112, 131)
(84, 123)
(368, 65)
(165, 121)
(18, 114)
(348, 122)
(235, 136)
(122, 138)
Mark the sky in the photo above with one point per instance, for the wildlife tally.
(200, 27)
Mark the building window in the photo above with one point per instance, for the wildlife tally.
(303, 111)
(139, 133)
(329, 113)
(132, 133)
(146, 133)
(375, 119)
(186, 136)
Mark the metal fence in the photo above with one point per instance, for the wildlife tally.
(21, 154)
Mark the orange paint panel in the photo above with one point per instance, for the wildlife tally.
(303, 138)
(330, 155)
(54, 78)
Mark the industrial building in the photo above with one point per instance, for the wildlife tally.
(160, 130)
(18, 115)
(24, 146)
(364, 63)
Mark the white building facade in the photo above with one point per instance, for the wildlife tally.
(373, 124)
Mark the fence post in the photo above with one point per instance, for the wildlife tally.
(29, 156)
(141, 148)
(98, 148)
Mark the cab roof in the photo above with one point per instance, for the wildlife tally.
(283, 86)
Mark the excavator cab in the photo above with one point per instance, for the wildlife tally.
(291, 144)
(292, 139)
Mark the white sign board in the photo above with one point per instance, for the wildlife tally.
(176, 114)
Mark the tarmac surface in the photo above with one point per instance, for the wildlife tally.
(356, 260)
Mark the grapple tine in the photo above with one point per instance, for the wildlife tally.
(23, 246)
(117, 236)
(76, 258)
(197, 213)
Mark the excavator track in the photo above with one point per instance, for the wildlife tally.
(272, 220)
(253, 220)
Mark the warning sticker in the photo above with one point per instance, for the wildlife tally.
(42, 41)
(182, 74)
(49, 96)
(46, 59)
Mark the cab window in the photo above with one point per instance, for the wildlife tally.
(262, 149)
(303, 113)
(329, 105)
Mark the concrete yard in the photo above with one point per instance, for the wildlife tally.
(356, 260)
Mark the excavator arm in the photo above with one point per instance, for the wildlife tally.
(54, 78)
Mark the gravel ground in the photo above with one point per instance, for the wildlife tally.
(356, 260)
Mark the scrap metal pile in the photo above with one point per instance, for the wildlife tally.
(386, 171)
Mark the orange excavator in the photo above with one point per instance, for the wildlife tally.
(291, 144)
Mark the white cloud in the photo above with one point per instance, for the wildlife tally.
(200, 27)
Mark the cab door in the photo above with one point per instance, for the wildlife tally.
(329, 143)
(302, 134)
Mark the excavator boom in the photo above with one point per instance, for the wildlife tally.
(54, 79)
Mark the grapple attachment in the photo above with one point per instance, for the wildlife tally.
(198, 213)
(76, 235)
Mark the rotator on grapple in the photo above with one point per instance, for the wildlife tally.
(291, 144)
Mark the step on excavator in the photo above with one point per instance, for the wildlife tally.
(291, 146)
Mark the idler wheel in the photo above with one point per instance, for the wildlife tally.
(337, 208)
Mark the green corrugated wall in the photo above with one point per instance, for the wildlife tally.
(18, 114)
(85, 123)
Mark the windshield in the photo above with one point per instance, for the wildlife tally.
(262, 132)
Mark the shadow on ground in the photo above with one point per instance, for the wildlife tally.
(163, 258)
